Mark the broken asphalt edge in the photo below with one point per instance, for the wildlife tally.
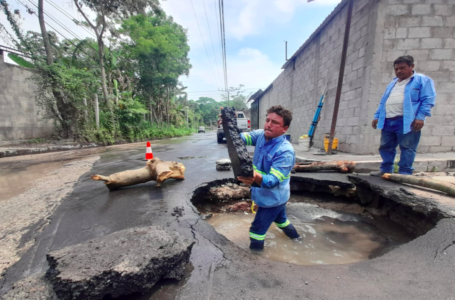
(420, 165)
(12, 151)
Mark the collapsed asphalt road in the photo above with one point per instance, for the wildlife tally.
(421, 269)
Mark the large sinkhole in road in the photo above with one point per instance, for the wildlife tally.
(335, 230)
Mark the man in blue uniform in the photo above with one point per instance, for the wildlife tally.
(401, 115)
(273, 161)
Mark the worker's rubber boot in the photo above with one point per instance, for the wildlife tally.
(256, 245)
(377, 173)
(290, 231)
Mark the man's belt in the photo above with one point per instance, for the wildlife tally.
(394, 118)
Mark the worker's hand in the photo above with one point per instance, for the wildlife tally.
(250, 180)
(220, 115)
(417, 125)
(374, 124)
(246, 180)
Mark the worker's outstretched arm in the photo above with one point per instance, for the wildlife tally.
(250, 138)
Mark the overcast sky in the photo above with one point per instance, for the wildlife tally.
(255, 35)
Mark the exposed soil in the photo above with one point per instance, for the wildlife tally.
(390, 222)
(25, 215)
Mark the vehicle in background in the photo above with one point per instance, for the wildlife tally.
(243, 123)
(201, 129)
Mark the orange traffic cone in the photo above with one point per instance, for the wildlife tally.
(148, 153)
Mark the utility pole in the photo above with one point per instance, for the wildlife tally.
(228, 97)
(286, 50)
(341, 75)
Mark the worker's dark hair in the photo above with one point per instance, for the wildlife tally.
(282, 112)
(408, 59)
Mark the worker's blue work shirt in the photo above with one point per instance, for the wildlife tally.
(419, 98)
(274, 160)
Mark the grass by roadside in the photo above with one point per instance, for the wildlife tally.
(95, 138)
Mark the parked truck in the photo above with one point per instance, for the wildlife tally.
(243, 123)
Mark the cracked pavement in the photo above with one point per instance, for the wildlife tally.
(421, 269)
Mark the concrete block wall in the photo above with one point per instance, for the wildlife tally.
(316, 68)
(381, 31)
(19, 116)
(424, 29)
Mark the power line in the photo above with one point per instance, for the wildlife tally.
(219, 91)
(57, 22)
(9, 39)
(64, 27)
(69, 16)
(200, 32)
(211, 40)
(56, 30)
(13, 51)
(223, 42)
(217, 18)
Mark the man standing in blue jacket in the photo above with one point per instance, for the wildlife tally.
(273, 161)
(401, 115)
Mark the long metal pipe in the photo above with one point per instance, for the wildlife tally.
(341, 75)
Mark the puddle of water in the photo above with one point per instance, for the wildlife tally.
(191, 157)
(16, 181)
(329, 237)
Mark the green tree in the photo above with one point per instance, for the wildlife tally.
(237, 99)
(140, 70)
(208, 108)
(61, 86)
(107, 13)
(158, 48)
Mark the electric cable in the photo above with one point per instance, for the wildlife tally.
(211, 39)
(56, 30)
(11, 50)
(57, 22)
(223, 42)
(200, 32)
(69, 16)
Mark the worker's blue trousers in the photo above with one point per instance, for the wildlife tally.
(265, 216)
(392, 136)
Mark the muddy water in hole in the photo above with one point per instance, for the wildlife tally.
(329, 237)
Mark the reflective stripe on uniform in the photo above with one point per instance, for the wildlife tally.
(260, 172)
(248, 139)
(278, 174)
(257, 236)
(282, 225)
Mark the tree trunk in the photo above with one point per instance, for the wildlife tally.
(47, 44)
(151, 113)
(64, 110)
(85, 110)
(155, 169)
(168, 105)
(103, 73)
(421, 181)
(341, 166)
(97, 112)
(99, 39)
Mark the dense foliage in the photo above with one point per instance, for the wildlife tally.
(131, 70)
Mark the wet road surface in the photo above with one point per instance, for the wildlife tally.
(421, 269)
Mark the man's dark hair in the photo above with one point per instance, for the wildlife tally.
(282, 112)
(407, 59)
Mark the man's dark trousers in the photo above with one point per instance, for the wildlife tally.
(265, 216)
(392, 136)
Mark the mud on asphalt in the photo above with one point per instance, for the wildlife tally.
(421, 269)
